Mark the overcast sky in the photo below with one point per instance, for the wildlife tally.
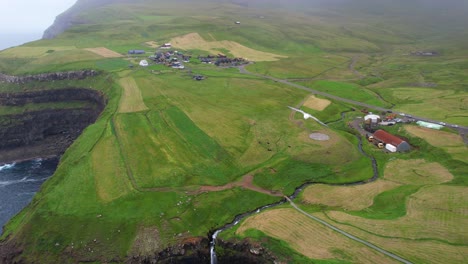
(26, 20)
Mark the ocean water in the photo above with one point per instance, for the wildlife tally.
(8, 40)
(18, 184)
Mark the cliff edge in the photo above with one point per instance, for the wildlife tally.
(69, 18)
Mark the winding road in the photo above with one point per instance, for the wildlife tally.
(463, 131)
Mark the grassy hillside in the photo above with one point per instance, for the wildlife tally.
(168, 158)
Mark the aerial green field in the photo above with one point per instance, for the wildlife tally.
(166, 161)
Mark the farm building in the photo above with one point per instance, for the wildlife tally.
(166, 46)
(387, 138)
(136, 52)
(371, 121)
(429, 125)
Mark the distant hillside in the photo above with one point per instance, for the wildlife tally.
(448, 13)
(68, 18)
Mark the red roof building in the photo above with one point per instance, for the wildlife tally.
(388, 138)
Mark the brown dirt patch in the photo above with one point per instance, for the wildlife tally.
(416, 172)
(309, 237)
(347, 197)
(246, 182)
(435, 212)
(105, 52)
(195, 41)
(316, 103)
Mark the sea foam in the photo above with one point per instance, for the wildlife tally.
(7, 166)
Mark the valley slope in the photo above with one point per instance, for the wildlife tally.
(171, 159)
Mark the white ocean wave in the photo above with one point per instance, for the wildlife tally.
(7, 166)
(23, 180)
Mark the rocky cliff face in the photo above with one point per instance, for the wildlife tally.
(197, 250)
(54, 76)
(46, 132)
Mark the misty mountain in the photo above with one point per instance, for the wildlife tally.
(444, 14)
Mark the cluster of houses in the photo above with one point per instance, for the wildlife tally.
(424, 53)
(170, 58)
(222, 60)
(372, 121)
(174, 59)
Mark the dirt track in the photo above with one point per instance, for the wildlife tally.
(246, 182)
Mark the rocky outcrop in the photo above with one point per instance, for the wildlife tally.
(9, 251)
(197, 250)
(46, 132)
(54, 76)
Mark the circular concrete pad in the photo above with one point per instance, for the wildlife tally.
(319, 137)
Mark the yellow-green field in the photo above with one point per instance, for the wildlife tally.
(195, 41)
(450, 142)
(111, 176)
(131, 100)
(417, 251)
(311, 238)
(33, 52)
(349, 198)
(105, 52)
(435, 217)
(416, 172)
(315, 103)
(435, 212)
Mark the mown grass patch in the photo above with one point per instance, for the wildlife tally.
(112, 64)
(346, 197)
(346, 90)
(450, 142)
(112, 180)
(308, 237)
(33, 52)
(195, 41)
(416, 172)
(131, 100)
(390, 204)
(434, 212)
(414, 250)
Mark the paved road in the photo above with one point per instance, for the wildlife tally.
(383, 251)
(462, 130)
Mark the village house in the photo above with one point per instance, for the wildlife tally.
(166, 46)
(371, 122)
(136, 52)
(144, 63)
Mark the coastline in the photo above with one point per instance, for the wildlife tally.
(46, 149)
(13, 162)
(10, 40)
